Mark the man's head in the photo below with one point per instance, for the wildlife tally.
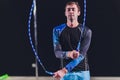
(72, 10)
(73, 3)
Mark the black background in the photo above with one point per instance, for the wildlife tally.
(16, 55)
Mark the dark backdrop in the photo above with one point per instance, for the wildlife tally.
(16, 55)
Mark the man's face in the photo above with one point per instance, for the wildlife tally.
(71, 11)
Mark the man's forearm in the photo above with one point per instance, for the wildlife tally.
(74, 63)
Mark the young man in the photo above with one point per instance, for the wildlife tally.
(67, 38)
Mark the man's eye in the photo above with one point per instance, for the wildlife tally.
(73, 9)
(68, 9)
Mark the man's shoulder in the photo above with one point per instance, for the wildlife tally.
(60, 26)
(86, 28)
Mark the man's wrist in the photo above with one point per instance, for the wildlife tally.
(65, 70)
(68, 54)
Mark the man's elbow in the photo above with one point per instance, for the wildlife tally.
(57, 54)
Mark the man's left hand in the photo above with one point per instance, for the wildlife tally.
(60, 73)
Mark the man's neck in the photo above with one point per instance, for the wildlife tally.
(72, 24)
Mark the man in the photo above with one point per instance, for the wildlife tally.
(71, 42)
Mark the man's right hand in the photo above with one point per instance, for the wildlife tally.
(73, 54)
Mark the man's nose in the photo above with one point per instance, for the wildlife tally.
(71, 10)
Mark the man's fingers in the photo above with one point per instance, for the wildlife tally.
(75, 54)
(56, 75)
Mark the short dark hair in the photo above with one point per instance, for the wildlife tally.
(73, 2)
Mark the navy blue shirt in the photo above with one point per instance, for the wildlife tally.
(66, 39)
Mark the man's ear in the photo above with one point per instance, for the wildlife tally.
(79, 13)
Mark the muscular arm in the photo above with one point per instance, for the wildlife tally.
(57, 47)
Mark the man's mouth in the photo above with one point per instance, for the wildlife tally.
(71, 15)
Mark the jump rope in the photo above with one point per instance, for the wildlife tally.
(33, 13)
